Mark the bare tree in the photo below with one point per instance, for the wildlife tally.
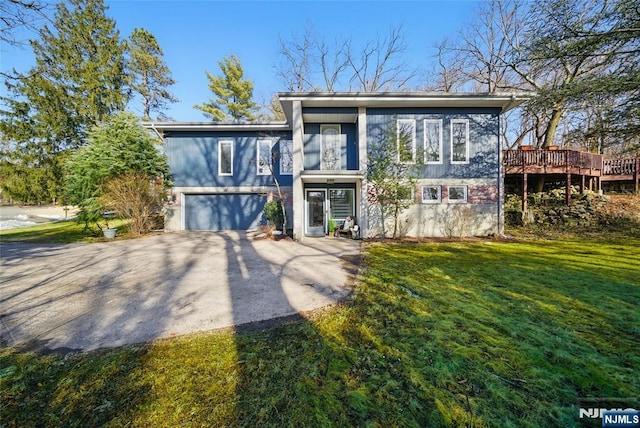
(376, 67)
(333, 62)
(448, 72)
(20, 14)
(310, 63)
(297, 56)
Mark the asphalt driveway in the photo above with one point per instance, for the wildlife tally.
(90, 296)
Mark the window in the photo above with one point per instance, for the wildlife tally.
(432, 141)
(406, 136)
(341, 204)
(330, 150)
(457, 194)
(264, 157)
(431, 194)
(286, 157)
(459, 141)
(225, 157)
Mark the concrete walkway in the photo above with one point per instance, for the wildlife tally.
(89, 296)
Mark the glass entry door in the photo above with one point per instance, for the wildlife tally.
(316, 212)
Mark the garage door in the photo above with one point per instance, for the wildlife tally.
(240, 211)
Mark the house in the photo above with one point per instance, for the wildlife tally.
(224, 173)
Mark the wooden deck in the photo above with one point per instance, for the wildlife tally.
(569, 163)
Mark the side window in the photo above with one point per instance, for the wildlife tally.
(459, 141)
(286, 157)
(431, 194)
(433, 141)
(457, 194)
(225, 157)
(406, 137)
(263, 157)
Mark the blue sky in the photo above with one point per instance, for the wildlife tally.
(195, 35)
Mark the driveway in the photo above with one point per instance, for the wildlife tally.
(89, 296)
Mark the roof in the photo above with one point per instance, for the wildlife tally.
(217, 126)
(502, 101)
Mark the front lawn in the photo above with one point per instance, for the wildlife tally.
(59, 232)
(437, 334)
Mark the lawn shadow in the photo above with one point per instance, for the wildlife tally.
(284, 360)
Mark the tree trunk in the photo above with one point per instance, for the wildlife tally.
(550, 133)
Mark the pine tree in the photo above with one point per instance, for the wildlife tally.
(149, 73)
(78, 80)
(233, 93)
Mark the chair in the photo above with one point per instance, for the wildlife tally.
(347, 228)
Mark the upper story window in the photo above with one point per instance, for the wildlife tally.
(225, 157)
(433, 141)
(460, 141)
(264, 157)
(406, 136)
(286, 157)
(330, 148)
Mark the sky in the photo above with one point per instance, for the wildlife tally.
(195, 35)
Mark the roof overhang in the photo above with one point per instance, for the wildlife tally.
(502, 101)
(216, 126)
(314, 176)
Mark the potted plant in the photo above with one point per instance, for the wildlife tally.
(108, 232)
(333, 226)
(92, 211)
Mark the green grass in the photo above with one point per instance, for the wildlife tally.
(61, 232)
(437, 334)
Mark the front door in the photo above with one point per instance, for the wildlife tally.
(316, 213)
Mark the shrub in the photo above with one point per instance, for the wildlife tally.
(273, 214)
(137, 197)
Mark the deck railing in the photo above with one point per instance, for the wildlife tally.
(552, 159)
(619, 166)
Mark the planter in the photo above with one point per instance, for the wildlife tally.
(553, 147)
(526, 148)
(109, 233)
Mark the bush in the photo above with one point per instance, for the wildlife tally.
(137, 197)
(273, 214)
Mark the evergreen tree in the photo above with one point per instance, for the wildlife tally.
(78, 80)
(233, 93)
(149, 73)
(116, 148)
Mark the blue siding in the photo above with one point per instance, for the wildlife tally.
(484, 142)
(224, 211)
(349, 143)
(193, 159)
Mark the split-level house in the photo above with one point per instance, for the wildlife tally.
(224, 173)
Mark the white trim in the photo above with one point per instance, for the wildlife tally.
(220, 144)
(289, 143)
(440, 141)
(467, 143)
(411, 122)
(457, 201)
(266, 170)
(431, 201)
